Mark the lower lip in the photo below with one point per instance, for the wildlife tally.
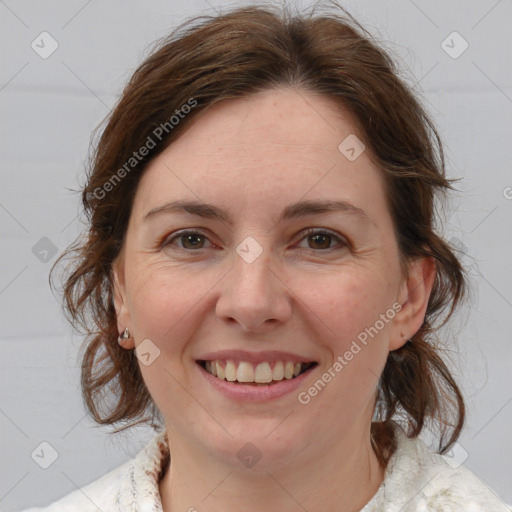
(250, 393)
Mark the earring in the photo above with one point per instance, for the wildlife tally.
(125, 336)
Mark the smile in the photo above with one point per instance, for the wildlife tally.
(264, 373)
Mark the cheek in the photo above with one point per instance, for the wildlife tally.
(163, 306)
(161, 301)
(346, 303)
(346, 312)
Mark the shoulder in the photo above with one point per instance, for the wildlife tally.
(420, 480)
(133, 484)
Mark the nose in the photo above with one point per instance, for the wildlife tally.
(254, 295)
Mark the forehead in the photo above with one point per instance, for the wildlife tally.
(294, 119)
(277, 145)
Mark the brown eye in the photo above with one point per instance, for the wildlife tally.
(188, 240)
(321, 240)
(192, 241)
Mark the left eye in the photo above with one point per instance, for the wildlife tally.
(322, 238)
(195, 239)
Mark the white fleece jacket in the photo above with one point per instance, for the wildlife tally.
(416, 480)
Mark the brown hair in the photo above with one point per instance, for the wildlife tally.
(209, 60)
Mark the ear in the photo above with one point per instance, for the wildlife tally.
(120, 300)
(413, 296)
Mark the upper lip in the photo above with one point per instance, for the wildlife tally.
(254, 357)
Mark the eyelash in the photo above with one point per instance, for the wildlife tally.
(306, 233)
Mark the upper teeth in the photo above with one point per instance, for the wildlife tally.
(247, 372)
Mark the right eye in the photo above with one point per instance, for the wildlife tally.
(190, 240)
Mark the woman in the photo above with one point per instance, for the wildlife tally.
(261, 275)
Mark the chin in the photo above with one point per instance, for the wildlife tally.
(257, 445)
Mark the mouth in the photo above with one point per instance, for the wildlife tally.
(265, 373)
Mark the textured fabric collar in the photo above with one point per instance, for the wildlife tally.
(416, 479)
(139, 485)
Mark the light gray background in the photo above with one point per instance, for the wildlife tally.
(48, 110)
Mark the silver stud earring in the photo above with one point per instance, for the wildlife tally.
(125, 336)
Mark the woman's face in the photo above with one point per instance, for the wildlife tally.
(243, 280)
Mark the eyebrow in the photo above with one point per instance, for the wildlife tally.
(295, 210)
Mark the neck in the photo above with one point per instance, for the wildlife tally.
(343, 477)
